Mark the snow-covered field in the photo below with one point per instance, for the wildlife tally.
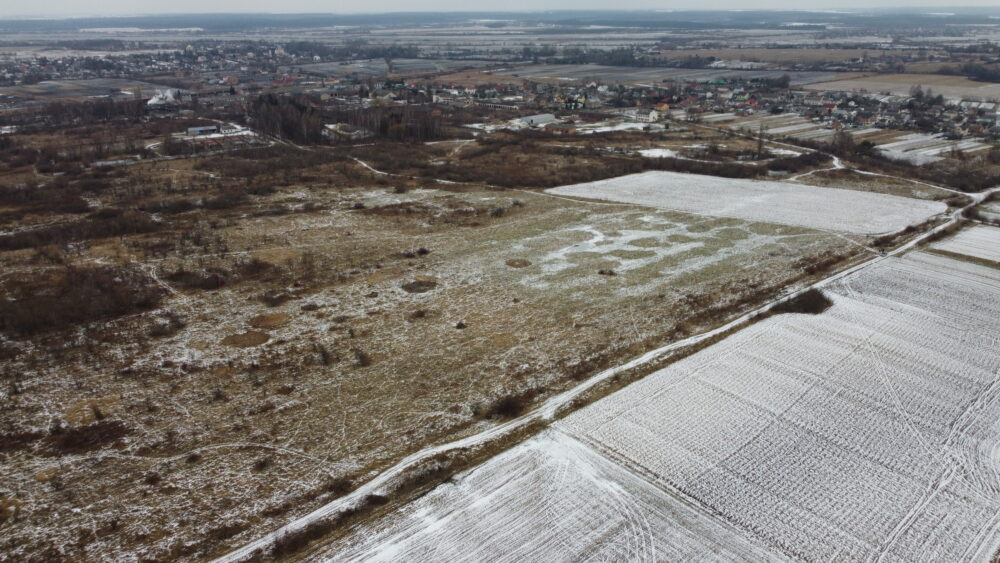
(550, 499)
(774, 202)
(869, 432)
(979, 241)
(870, 429)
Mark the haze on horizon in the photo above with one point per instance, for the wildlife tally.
(73, 8)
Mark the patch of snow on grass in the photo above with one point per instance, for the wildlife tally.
(658, 153)
(773, 202)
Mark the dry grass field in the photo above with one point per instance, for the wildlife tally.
(900, 84)
(853, 180)
(264, 331)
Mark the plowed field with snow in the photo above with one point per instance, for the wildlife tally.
(979, 241)
(552, 499)
(868, 432)
(785, 203)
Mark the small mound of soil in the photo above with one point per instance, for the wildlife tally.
(419, 286)
(272, 320)
(246, 340)
(518, 263)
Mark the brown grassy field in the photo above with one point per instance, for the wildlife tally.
(265, 331)
(851, 180)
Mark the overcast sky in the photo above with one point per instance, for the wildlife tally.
(74, 8)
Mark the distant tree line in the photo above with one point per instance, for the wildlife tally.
(90, 111)
(397, 123)
(975, 71)
(287, 117)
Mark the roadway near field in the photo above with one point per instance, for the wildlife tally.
(866, 432)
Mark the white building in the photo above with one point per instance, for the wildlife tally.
(645, 115)
(539, 120)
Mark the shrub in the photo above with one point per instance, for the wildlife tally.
(208, 279)
(19, 439)
(811, 302)
(78, 295)
(106, 223)
(339, 486)
(510, 406)
(169, 207)
(362, 357)
(228, 198)
(86, 438)
(291, 542)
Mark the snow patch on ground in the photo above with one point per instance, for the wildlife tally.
(658, 153)
(773, 202)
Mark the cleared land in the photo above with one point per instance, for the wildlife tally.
(867, 431)
(978, 242)
(784, 203)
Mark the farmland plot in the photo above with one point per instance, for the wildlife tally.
(869, 430)
(864, 433)
(775, 202)
(978, 241)
(549, 499)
